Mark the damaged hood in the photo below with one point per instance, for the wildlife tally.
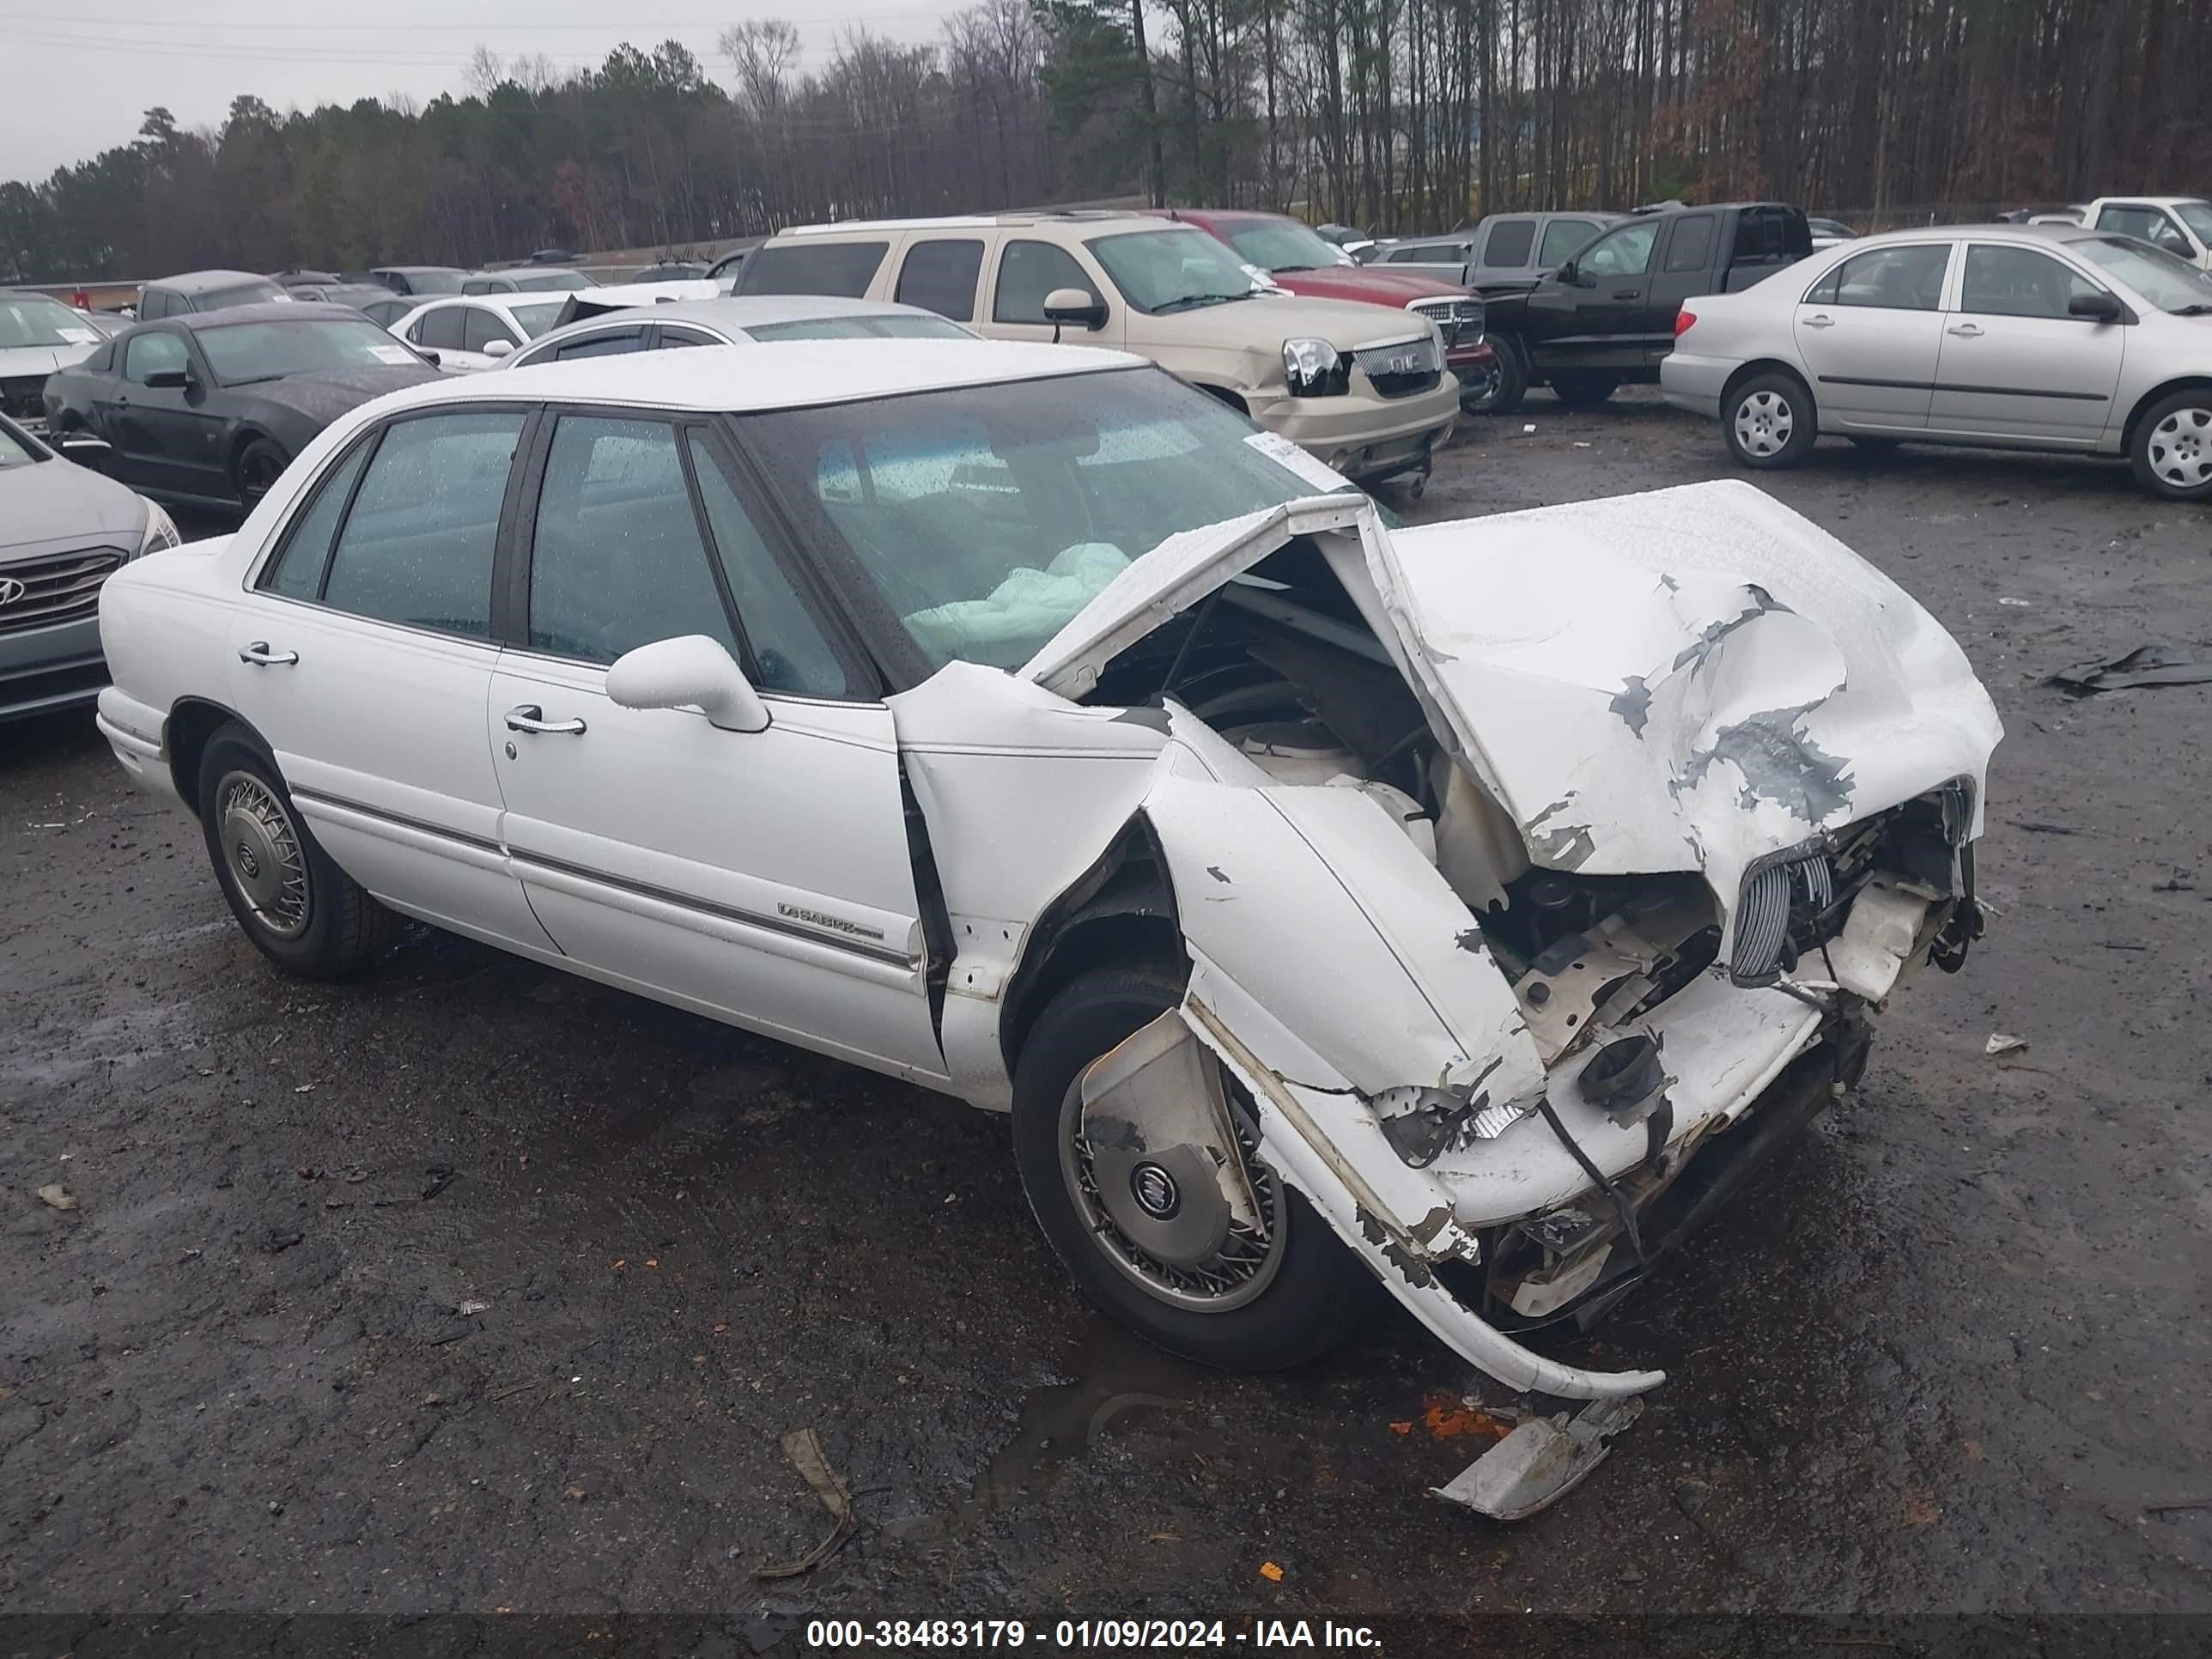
(1680, 679)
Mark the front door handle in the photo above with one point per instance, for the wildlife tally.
(529, 717)
(1965, 331)
(1628, 294)
(1820, 322)
(261, 656)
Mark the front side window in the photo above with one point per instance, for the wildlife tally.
(844, 269)
(616, 560)
(1511, 241)
(1027, 271)
(940, 276)
(1690, 247)
(441, 330)
(1888, 279)
(984, 518)
(480, 327)
(2197, 216)
(242, 354)
(1623, 253)
(1562, 237)
(2017, 281)
(417, 547)
(145, 356)
(2148, 223)
(788, 650)
(1160, 271)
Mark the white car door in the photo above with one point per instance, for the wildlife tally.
(442, 329)
(1870, 332)
(763, 877)
(2016, 363)
(364, 657)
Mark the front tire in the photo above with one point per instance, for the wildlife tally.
(1259, 1304)
(1769, 422)
(300, 911)
(1507, 385)
(2173, 446)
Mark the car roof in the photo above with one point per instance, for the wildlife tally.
(404, 270)
(2150, 200)
(1085, 219)
(744, 311)
(503, 302)
(195, 282)
(801, 375)
(266, 311)
(2000, 232)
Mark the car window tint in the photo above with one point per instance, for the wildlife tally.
(940, 276)
(481, 327)
(618, 561)
(417, 546)
(813, 267)
(1623, 253)
(439, 330)
(1561, 238)
(2017, 281)
(298, 571)
(152, 354)
(1761, 236)
(1027, 271)
(684, 336)
(1510, 242)
(789, 652)
(153, 304)
(1691, 247)
(1890, 278)
(611, 344)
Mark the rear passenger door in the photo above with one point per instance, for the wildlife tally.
(1869, 333)
(762, 878)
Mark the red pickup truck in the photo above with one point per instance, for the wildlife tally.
(1298, 258)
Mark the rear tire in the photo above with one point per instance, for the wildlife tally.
(1583, 388)
(1508, 383)
(1768, 421)
(1289, 1300)
(300, 911)
(2173, 446)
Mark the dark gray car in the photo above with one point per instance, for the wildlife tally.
(63, 531)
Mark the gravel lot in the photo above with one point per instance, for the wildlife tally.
(1949, 1355)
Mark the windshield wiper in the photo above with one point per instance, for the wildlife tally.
(1278, 270)
(1188, 300)
(2194, 308)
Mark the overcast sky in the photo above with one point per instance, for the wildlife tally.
(77, 77)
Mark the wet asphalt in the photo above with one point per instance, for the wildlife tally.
(1950, 1354)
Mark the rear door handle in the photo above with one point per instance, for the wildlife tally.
(1820, 322)
(1965, 331)
(261, 656)
(530, 717)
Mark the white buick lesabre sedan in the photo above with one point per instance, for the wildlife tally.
(1466, 910)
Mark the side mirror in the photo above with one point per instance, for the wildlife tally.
(691, 672)
(1569, 274)
(428, 355)
(497, 349)
(2100, 307)
(1070, 307)
(169, 379)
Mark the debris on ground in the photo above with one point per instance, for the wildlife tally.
(2003, 1042)
(472, 1306)
(804, 1448)
(1268, 1570)
(1540, 1461)
(58, 1197)
(2147, 664)
(1448, 1417)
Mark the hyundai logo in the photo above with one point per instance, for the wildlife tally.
(11, 590)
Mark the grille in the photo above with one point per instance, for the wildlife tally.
(1400, 370)
(59, 588)
(20, 399)
(1775, 893)
(1462, 320)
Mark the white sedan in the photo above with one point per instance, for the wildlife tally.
(607, 328)
(1330, 905)
(478, 331)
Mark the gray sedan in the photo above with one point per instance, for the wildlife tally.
(63, 531)
(2046, 337)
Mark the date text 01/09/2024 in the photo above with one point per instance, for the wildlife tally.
(1085, 1634)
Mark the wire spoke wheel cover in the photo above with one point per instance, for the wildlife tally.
(2181, 448)
(1161, 1223)
(1764, 422)
(262, 852)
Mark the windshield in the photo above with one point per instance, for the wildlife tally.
(2167, 282)
(860, 328)
(434, 281)
(2197, 216)
(552, 282)
(534, 319)
(1165, 271)
(31, 319)
(1283, 245)
(242, 353)
(985, 517)
(245, 293)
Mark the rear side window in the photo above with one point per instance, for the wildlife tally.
(152, 304)
(612, 344)
(1562, 238)
(1690, 247)
(439, 330)
(298, 571)
(417, 547)
(617, 560)
(1762, 237)
(843, 269)
(1888, 279)
(1027, 271)
(1511, 241)
(940, 276)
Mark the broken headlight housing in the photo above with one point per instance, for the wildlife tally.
(1315, 368)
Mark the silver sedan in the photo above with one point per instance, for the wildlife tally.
(2017, 336)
